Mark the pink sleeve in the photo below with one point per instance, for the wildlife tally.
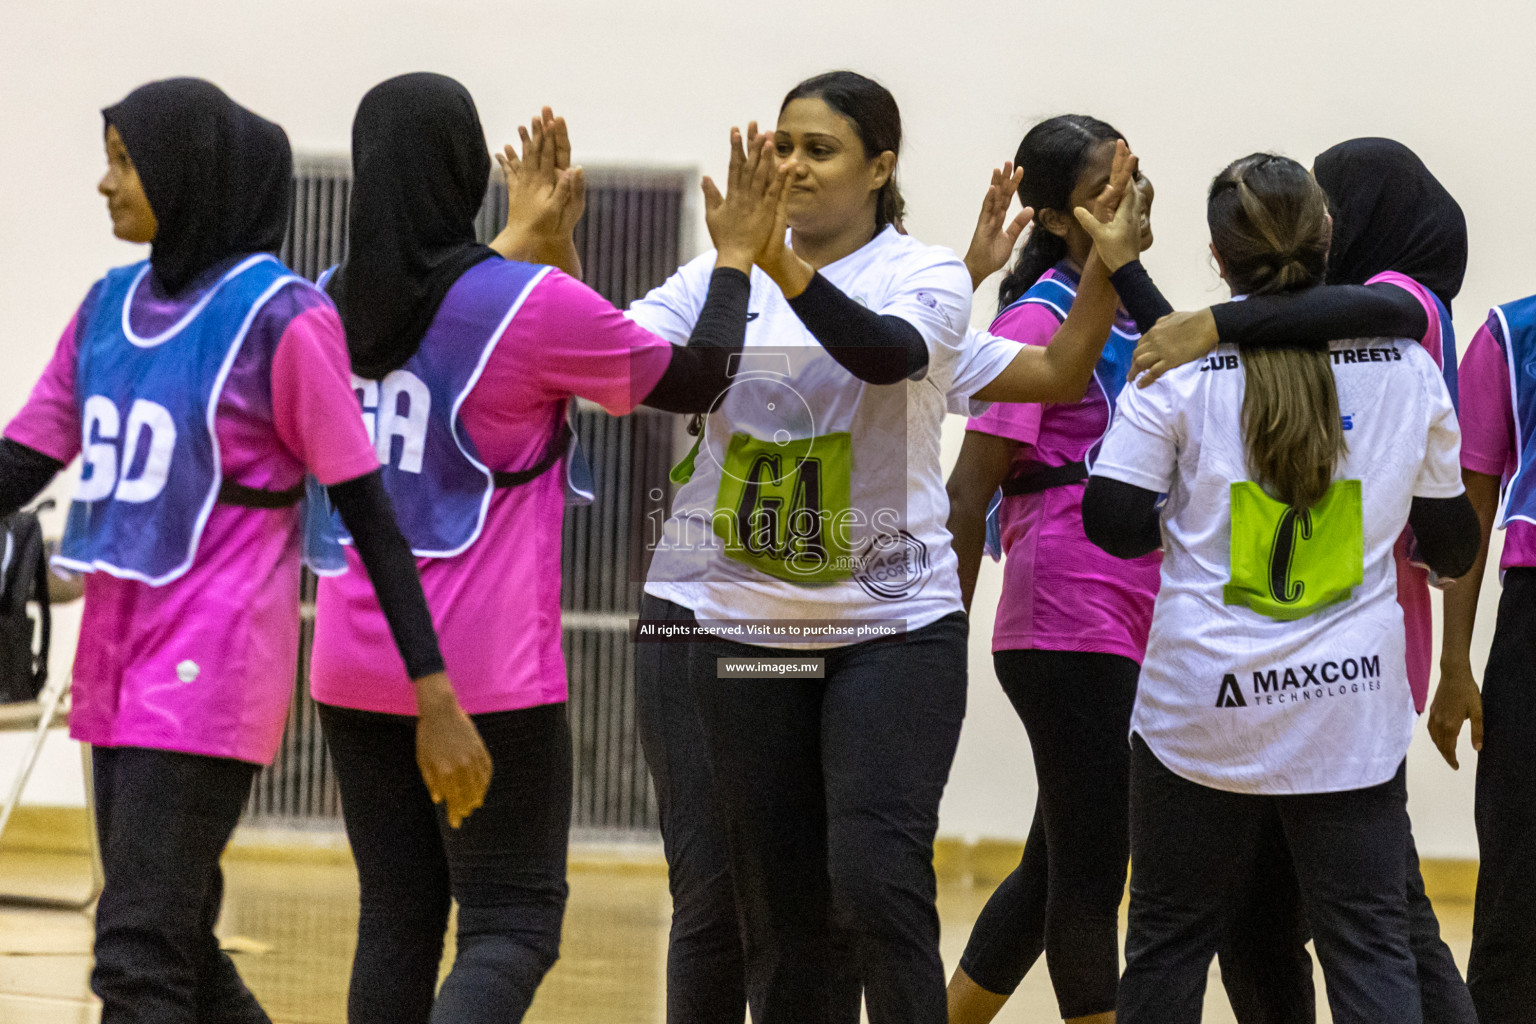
(1432, 340)
(581, 345)
(50, 421)
(1487, 415)
(1028, 323)
(313, 407)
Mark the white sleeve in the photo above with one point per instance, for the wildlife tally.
(933, 294)
(983, 357)
(1142, 447)
(672, 308)
(1440, 473)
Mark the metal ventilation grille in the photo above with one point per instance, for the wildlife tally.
(629, 241)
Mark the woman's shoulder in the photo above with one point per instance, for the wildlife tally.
(909, 252)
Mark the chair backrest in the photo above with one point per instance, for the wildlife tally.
(23, 581)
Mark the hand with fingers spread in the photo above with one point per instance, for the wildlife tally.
(996, 237)
(740, 220)
(1176, 339)
(453, 760)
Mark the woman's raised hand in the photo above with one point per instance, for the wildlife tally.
(996, 237)
(741, 220)
(1114, 220)
(545, 195)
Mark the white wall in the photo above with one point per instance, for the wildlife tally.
(1192, 84)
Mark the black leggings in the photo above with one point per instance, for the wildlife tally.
(505, 866)
(1064, 897)
(1501, 972)
(163, 818)
(829, 790)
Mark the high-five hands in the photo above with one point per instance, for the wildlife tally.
(1114, 222)
(741, 220)
(996, 237)
(546, 196)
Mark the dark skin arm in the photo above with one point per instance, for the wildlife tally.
(1457, 697)
(978, 473)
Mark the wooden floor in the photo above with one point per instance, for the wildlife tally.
(295, 923)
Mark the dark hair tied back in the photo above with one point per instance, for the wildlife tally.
(1052, 156)
(1269, 224)
(1269, 221)
(871, 109)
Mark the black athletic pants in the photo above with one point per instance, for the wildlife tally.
(706, 971)
(1064, 897)
(163, 819)
(706, 979)
(1268, 974)
(1502, 969)
(829, 790)
(1193, 853)
(504, 865)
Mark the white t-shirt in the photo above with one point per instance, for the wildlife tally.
(1238, 700)
(878, 483)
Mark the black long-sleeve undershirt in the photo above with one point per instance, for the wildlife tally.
(876, 348)
(24, 472)
(385, 554)
(1314, 317)
(1305, 319)
(1447, 532)
(1140, 297)
(699, 372)
(1122, 519)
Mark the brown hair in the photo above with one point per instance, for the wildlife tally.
(1269, 224)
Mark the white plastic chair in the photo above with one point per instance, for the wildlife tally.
(38, 716)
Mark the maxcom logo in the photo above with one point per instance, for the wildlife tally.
(1230, 696)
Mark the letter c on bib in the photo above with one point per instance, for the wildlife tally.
(1293, 523)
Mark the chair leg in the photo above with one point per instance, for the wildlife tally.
(52, 700)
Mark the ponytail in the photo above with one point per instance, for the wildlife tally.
(1052, 156)
(1292, 428)
(1269, 224)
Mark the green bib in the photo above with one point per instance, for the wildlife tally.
(783, 508)
(1288, 563)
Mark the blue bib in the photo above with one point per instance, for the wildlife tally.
(1518, 321)
(1447, 351)
(151, 471)
(437, 482)
(1057, 291)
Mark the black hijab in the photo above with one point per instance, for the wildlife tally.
(420, 171)
(1390, 213)
(218, 178)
